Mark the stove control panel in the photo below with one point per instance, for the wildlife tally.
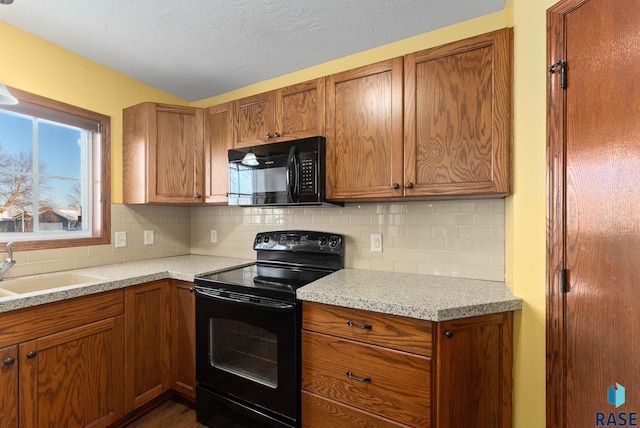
(300, 240)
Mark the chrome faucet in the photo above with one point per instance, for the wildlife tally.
(8, 262)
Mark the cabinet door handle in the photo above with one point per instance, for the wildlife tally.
(395, 185)
(409, 185)
(364, 326)
(31, 355)
(198, 195)
(277, 135)
(269, 136)
(9, 361)
(448, 334)
(359, 379)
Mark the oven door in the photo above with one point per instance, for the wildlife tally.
(247, 348)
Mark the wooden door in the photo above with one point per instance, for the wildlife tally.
(147, 343)
(255, 120)
(364, 132)
(176, 159)
(593, 222)
(9, 387)
(458, 117)
(73, 378)
(218, 140)
(183, 339)
(300, 110)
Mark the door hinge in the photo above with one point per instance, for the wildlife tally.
(563, 280)
(562, 65)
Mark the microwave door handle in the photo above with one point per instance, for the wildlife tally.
(292, 175)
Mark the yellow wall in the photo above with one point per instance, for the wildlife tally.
(37, 66)
(34, 65)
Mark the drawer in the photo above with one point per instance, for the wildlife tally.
(399, 383)
(319, 412)
(391, 331)
(37, 321)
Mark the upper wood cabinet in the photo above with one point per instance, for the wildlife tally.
(218, 136)
(364, 131)
(163, 154)
(449, 135)
(458, 117)
(289, 113)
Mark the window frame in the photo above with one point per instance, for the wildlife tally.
(101, 180)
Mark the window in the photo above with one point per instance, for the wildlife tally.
(54, 174)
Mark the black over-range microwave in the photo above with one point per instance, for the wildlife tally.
(278, 174)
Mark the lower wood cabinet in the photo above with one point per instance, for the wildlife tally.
(147, 344)
(90, 360)
(366, 369)
(62, 363)
(183, 339)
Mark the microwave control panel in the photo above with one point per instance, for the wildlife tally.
(308, 172)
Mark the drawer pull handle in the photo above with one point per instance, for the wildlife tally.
(359, 379)
(362, 326)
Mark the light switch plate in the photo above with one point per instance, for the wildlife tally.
(214, 236)
(376, 243)
(148, 237)
(121, 239)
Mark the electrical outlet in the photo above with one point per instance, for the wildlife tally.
(121, 239)
(214, 236)
(148, 237)
(376, 243)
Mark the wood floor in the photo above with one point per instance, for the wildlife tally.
(171, 413)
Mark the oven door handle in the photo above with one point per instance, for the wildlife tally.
(265, 303)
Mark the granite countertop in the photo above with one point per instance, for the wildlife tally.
(111, 277)
(434, 298)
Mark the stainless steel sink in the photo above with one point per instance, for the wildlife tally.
(45, 282)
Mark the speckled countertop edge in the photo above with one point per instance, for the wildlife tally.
(434, 298)
(121, 275)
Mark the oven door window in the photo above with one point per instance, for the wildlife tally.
(245, 350)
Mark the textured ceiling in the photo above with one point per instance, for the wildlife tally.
(196, 49)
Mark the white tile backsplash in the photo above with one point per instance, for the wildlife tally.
(452, 238)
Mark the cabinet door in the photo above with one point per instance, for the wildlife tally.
(300, 110)
(162, 154)
(219, 139)
(147, 351)
(183, 343)
(255, 120)
(474, 355)
(9, 387)
(458, 117)
(364, 132)
(175, 167)
(73, 378)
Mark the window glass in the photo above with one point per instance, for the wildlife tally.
(52, 178)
